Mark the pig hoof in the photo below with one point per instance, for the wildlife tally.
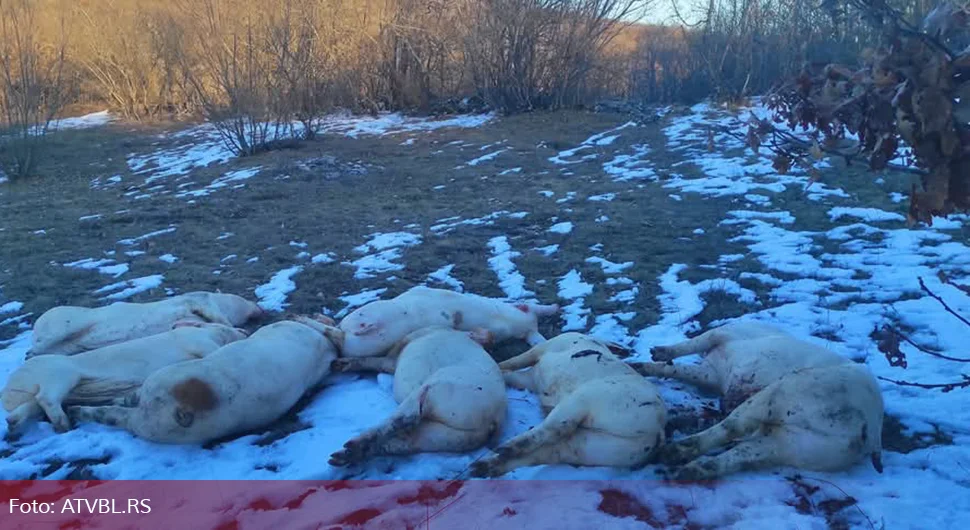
(486, 468)
(504, 450)
(673, 454)
(339, 365)
(696, 471)
(340, 459)
(61, 427)
(353, 452)
(661, 353)
(640, 367)
(11, 436)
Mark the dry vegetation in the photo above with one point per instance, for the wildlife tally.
(32, 85)
(148, 57)
(267, 72)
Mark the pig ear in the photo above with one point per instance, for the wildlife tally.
(545, 310)
(620, 351)
(481, 336)
(187, 324)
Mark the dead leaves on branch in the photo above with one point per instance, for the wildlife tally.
(911, 88)
(889, 341)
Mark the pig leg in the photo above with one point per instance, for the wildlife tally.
(561, 422)
(50, 397)
(543, 310)
(21, 414)
(701, 344)
(749, 455)
(333, 334)
(522, 380)
(384, 365)
(522, 360)
(496, 465)
(434, 437)
(698, 375)
(746, 419)
(534, 338)
(111, 415)
(325, 320)
(403, 421)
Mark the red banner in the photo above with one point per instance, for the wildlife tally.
(466, 505)
(278, 505)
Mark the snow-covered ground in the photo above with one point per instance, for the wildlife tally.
(840, 282)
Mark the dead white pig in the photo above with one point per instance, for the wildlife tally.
(450, 390)
(67, 330)
(372, 329)
(239, 387)
(601, 412)
(738, 359)
(825, 418)
(43, 383)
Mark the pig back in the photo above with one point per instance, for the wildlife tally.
(560, 372)
(424, 356)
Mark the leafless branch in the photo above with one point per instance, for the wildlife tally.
(942, 302)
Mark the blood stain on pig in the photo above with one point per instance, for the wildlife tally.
(589, 353)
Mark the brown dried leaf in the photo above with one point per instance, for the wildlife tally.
(946, 280)
(888, 343)
(754, 141)
(782, 164)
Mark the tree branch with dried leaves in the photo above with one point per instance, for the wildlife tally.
(911, 90)
(889, 340)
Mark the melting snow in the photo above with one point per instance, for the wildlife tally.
(272, 295)
(561, 228)
(572, 287)
(129, 288)
(443, 275)
(357, 300)
(149, 235)
(510, 280)
(104, 266)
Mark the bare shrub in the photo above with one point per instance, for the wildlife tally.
(908, 92)
(528, 54)
(300, 66)
(732, 49)
(135, 65)
(421, 52)
(33, 89)
(233, 74)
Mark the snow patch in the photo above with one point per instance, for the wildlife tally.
(272, 295)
